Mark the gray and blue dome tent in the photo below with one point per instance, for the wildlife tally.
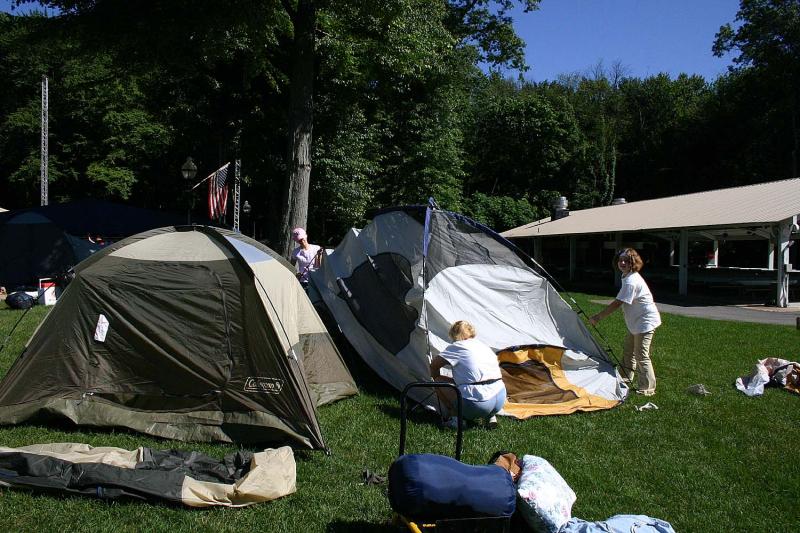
(396, 286)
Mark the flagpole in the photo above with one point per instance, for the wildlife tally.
(199, 183)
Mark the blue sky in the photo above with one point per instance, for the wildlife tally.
(646, 36)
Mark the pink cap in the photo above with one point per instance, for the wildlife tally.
(298, 234)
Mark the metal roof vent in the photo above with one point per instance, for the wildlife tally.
(559, 208)
(618, 201)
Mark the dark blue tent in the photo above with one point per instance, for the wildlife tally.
(46, 241)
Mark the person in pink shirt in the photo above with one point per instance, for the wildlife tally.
(306, 257)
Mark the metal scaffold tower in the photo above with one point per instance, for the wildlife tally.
(237, 197)
(43, 168)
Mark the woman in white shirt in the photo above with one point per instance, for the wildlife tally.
(476, 372)
(641, 317)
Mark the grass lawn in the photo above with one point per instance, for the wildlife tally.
(724, 462)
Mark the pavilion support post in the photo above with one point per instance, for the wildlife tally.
(617, 248)
(672, 252)
(782, 236)
(537, 249)
(770, 254)
(573, 249)
(715, 259)
(683, 265)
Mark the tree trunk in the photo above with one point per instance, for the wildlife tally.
(301, 122)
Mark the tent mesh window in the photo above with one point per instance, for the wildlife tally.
(375, 294)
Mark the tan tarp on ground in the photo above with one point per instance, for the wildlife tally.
(272, 473)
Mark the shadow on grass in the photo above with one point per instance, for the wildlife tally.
(516, 525)
(341, 526)
(43, 427)
(367, 380)
(416, 414)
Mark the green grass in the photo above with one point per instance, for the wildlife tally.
(724, 462)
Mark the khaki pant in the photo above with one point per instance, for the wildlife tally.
(636, 355)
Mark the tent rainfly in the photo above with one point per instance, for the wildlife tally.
(397, 285)
(189, 333)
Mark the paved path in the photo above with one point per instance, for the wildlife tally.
(736, 313)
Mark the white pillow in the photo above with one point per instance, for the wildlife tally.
(543, 497)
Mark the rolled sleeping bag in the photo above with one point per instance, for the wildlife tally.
(434, 487)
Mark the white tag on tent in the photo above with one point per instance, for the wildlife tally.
(101, 329)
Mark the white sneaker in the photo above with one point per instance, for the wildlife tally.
(492, 422)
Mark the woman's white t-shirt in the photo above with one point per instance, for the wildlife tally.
(638, 307)
(473, 362)
(305, 260)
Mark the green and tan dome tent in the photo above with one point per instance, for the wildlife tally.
(396, 286)
(191, 333)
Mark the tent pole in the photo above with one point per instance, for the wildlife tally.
(425, 242)
(683, 264)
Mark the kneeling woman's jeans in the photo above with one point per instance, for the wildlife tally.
(484, 409)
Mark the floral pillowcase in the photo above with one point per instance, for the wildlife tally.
(543, 497)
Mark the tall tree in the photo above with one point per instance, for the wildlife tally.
(597, 103)
(658, 154)
(201, 67)
(386, 127)
(301, 118)
(102, 135)
(519, 140)
(767, 39)
(483, 25)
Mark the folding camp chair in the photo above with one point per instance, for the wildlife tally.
(449, 525)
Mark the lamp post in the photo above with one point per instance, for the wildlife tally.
(246, 209)
(189, 171)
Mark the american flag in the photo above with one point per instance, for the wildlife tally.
(218, 192)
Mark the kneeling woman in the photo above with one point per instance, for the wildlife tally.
(476, 372)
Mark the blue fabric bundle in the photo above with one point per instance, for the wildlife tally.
(433, 487)
(621, 523)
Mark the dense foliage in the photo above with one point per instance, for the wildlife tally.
(399, 108)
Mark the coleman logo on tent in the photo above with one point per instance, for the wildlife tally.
(265, 385)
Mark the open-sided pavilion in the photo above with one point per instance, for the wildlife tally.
(766, 211)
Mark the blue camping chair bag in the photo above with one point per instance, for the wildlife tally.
(434, 487)
(20, 300)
